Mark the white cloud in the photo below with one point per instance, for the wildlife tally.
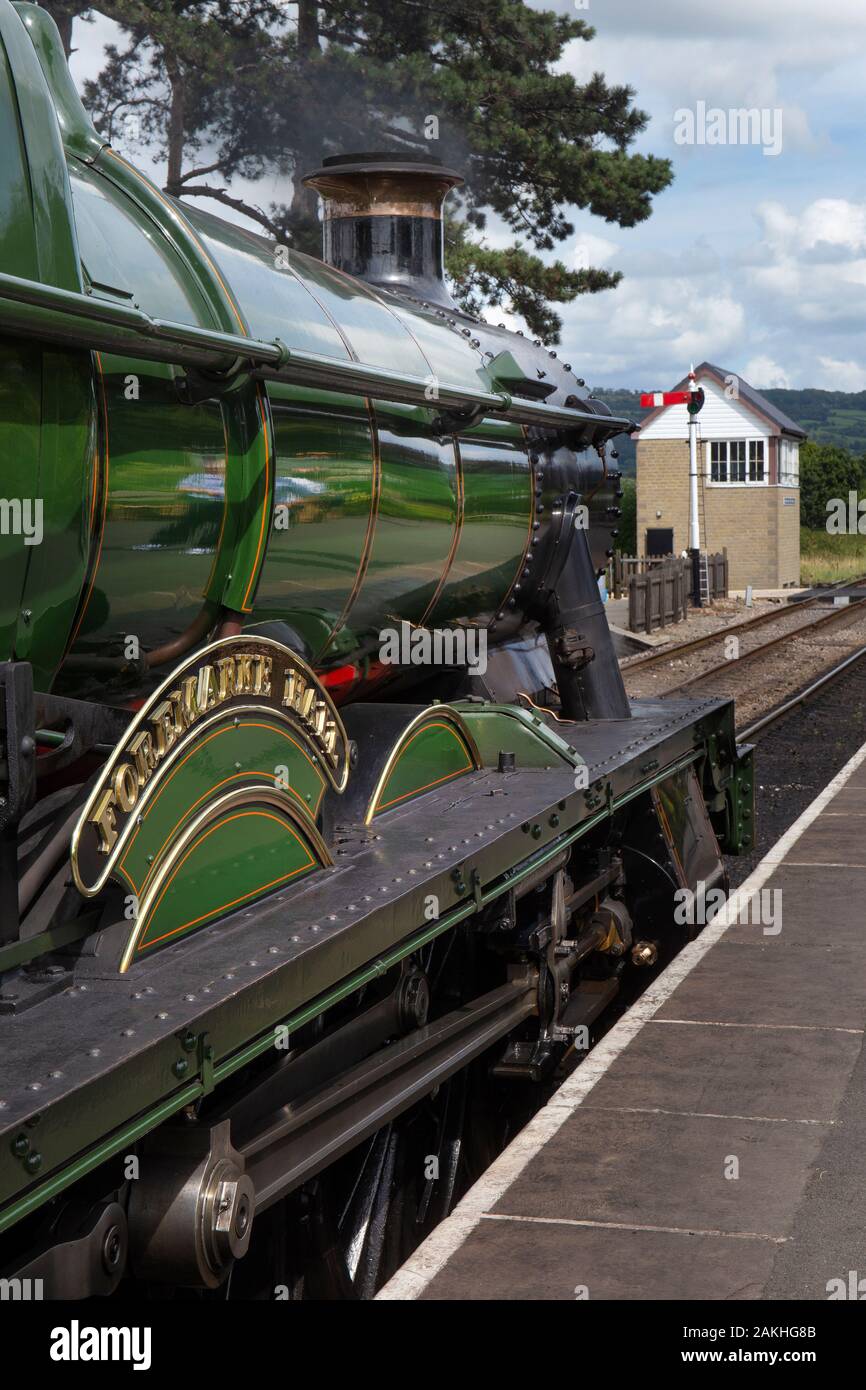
(811, 265)
(649, 331)
(841, 376)
(741, 53)
(762, 372)
(825, 222)
(754, 18)
(590, 250)
(786, 310)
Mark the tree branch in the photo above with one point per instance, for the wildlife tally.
(221, 196)
(199, 172)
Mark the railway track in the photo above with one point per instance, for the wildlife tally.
(658, 658)
(672, 653)
(754, 728)
(727, 677)
(839, 617)
(750, 732)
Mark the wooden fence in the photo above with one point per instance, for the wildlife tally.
(658, 597)
(717, 574)
(622, 567)
(662, 593)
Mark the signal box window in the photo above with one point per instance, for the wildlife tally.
(737, 461)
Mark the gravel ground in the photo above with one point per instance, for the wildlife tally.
(652, 678)
(766, 682)
(796, 758)
(722, 613)
(759, 685)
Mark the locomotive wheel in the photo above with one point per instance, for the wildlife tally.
(346, 1232)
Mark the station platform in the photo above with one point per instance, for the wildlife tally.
(713, 1144)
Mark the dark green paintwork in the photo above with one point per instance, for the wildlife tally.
(248, 851)
(495, 532)
(740, 805)
(324, 496)
(157, 259)
(385, 520)
(47, 402)
(435, 753)
(53, 229)
(156, 504)
(512, 729)
(258, 748)
(78, 134)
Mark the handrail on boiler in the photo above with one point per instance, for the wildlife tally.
(50, 314)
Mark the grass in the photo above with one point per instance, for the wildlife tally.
(826, 559)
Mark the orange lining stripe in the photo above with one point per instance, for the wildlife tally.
(244, 724)
(266, 436)
(218, 547)
(459, 514)
(235, 777)
(122, 870)
(240, 815)
(416, 791)
(103, 399)
(367, 548)
(672, 844)
(94, 491)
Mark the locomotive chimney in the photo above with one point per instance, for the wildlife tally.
(383, 219)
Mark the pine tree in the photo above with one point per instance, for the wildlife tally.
(246, 87)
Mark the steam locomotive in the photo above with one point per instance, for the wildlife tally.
(284, 911)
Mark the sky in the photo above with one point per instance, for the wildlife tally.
(755, 257)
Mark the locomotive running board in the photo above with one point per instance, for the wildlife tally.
(109, 1059)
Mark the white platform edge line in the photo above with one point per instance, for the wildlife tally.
(421, 1268)
(630, 1226)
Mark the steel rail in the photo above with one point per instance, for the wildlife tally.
(795, 606)
(759, 725)
(830, 619)
(696, 643)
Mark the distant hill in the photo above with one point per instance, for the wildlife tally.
(625, 403)
(829, 417)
